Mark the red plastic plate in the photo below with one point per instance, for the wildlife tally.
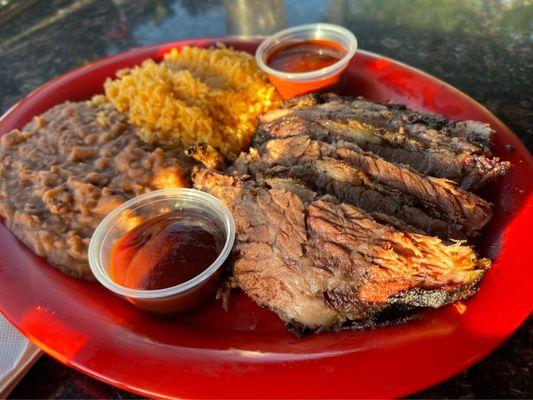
(247, 352)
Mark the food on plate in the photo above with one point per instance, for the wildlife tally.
(392, 193)
(430, 144)
(195, 95)
(348, 213)
(68, 168)
(166, 250)
(321, 264)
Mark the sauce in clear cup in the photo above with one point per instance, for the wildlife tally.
(307, 58)
(191, 207)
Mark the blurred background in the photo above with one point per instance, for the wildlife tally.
(483, 47)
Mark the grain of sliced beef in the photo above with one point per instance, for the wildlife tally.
(432, 205)
(430, 144)
(351, 185)
(321, 264)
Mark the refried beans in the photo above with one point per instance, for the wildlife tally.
(67, 169)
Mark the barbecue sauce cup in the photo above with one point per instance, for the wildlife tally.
(141, 224)
(307, 58)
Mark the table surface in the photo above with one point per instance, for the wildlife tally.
(484, 48)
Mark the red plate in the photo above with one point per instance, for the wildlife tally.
(247, 352)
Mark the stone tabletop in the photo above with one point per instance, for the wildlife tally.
(484, 48)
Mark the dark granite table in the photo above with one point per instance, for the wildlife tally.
(484, 48)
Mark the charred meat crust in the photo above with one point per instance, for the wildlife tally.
(430, 144)
(470, 136)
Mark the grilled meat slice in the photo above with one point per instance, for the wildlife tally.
(430, 144)
(351, 185)
(432, 205)
(320, 264)
(431, 129)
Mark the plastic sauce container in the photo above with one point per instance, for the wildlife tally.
(330, 77)
(156, 205)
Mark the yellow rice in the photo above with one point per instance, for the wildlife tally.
(195, 95)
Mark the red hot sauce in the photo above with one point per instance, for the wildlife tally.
(305, 56)
(165, 251)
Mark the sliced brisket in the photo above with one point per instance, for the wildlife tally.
(430, 144)
(321, 264)
(431, 205)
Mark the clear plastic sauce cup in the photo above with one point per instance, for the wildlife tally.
(128, 215)
(290, 84)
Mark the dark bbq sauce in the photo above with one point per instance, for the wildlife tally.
(305, 56)
(165, 251)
